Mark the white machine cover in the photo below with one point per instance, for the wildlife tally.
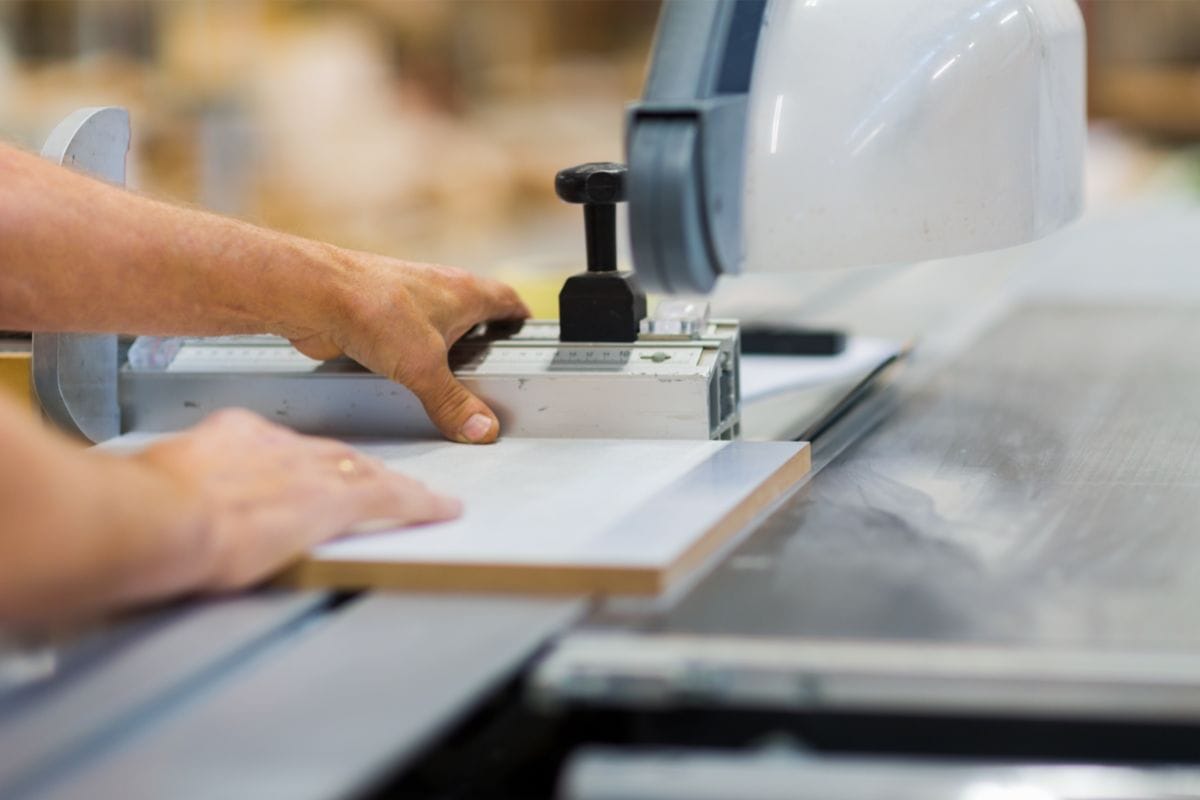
(886, 131)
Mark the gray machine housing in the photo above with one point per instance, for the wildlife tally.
(686, 145)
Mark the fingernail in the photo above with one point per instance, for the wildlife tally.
(477, 427)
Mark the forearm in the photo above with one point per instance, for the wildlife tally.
(78, 255)
(84, 530)
(84, 256)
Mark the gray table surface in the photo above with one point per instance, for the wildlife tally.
(90, 699)
(333, 709)
(1044, 488)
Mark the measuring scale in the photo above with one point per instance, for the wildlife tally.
(663, 386)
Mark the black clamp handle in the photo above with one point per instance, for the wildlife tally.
(598, 187)
(602, 304)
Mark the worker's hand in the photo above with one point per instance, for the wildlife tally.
(264, 495)
(399, 318)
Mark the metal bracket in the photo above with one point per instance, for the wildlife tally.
(686, 143)
(75, 375)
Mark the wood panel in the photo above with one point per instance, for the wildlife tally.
(566, 516)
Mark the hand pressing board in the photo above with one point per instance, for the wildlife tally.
(563, 515)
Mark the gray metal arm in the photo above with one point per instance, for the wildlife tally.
(686, 143)
(75, 375)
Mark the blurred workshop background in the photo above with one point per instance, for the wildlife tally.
(431, 129)
(427, 129)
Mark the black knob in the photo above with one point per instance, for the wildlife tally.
(598, 182)
(599, 186)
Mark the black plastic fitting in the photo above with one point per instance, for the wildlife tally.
(602, 304)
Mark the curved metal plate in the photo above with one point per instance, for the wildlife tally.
(75, 375)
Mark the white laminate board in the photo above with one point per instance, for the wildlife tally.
(535, 501)
(764, 376)
(564, 515)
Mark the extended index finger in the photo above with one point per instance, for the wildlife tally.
(493, 301)
(501, 301)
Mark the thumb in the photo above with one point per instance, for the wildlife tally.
(458, 414)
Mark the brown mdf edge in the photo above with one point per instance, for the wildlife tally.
(312, 573)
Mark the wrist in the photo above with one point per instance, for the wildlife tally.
(160, 522)
(317, 290)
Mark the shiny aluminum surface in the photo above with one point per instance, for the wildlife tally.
(1040, 490)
